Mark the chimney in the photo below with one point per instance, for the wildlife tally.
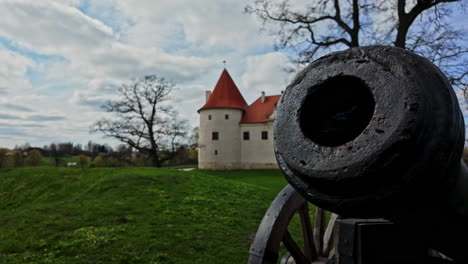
(207, 94)
(263, 97)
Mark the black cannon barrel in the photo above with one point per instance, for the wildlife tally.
(377, 132)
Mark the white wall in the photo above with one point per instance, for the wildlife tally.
(257, 153)
(228, 145)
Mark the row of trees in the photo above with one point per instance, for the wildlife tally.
(16, 158)
(92, 155)
(58, 151)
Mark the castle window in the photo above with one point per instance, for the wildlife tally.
(246, 135)
(226, 116)
(216, 152)
(215, 136)
(209, 117)
(264, 135)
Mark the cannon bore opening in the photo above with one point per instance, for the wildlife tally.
(336, 111)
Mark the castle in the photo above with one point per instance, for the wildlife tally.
(232, 134)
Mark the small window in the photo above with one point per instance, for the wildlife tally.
(216, 152)
(209, 117)
(226, 116)
(246, 135)
(215, 136)
(264, 135)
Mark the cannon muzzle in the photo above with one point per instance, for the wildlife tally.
(377, 132)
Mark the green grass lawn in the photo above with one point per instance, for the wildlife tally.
(131, 215)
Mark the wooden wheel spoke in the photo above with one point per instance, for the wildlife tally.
(329, 235)
(319, 229)
(294, 249)
(307, 233)
(332, 253)
(273, 231)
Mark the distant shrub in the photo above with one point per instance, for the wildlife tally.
(6, 161)
(83, 160)
(99, 161)
(138, 161)
(34, 158)
(18, 160)
(112, 162)
(192, 154)
(3, 157)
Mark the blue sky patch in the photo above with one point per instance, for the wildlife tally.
(108, 14)
(15, 47)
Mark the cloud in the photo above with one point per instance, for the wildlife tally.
(31, 118)
(89, 47)
(202, 25)
(73, 3)
(16, 107)
(86, 99)
(68, 29)
(12, 71)
(7, 116)
(3, 91)
(11, 131)
(62, 59)
(45, 118)
(266, 72)
(27, 125)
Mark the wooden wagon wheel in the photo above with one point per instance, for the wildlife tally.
(273, 230)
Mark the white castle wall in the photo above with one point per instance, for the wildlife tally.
(224, 153)
(257, 153)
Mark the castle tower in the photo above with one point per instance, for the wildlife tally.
(219, 134)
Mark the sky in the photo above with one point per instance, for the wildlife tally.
(62, 59)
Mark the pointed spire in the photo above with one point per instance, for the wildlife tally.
(225, 94)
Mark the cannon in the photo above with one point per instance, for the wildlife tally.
(375, 135)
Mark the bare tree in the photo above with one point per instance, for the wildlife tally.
(174, 129)
(142, 119)
(330, 25)
(54, 153)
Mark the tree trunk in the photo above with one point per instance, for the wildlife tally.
(155, 160)
(356, 25)
(400, 40)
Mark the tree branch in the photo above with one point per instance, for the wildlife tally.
(140, 119)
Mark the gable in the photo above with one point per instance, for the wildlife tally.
(259, 112)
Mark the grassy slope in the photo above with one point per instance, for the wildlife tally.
(131, 215)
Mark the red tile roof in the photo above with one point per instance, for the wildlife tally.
(258, 112)
(225, 94)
